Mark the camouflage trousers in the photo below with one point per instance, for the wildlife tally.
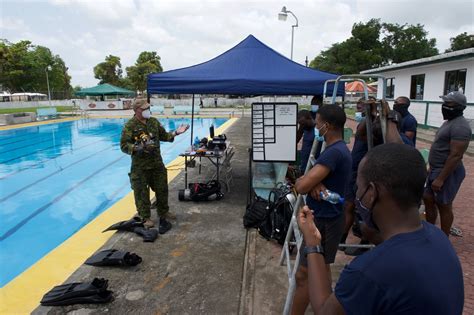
(141, 181)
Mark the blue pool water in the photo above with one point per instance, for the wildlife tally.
(56, 178)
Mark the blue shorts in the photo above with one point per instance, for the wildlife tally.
(331, 230)
(450, 187)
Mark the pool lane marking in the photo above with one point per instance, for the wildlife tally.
(18, 137)
(53, 173)
(38, 123)
(51, 133)
(49, 159)
(17, 226)
(22, 294)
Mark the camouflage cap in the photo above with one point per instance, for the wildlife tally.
(140, 103)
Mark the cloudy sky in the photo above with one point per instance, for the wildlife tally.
(186, 32)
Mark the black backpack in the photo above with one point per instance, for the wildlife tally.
(256, 212)
(280, 215)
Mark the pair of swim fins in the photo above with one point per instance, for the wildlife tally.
(134, 225)
(113, 257)
(78, 293)
(127, 226)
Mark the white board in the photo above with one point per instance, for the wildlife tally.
(274, 131)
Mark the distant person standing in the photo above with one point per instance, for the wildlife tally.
(446, 168)
(408, 124)
(215, 102)
(305, 131)
(316, 104)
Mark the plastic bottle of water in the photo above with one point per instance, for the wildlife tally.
(211, 131)
(332, 197)
(196, 142)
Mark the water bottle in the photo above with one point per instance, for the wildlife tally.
(196, 142)
(211, 131)
(332, 197)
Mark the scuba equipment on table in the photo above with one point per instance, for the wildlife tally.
(201, 192)
(218, 142)
(78, 293)
(113, 257)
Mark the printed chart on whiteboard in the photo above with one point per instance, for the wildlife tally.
(274, 131)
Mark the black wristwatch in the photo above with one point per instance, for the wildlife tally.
(313, 249)
(392, 115)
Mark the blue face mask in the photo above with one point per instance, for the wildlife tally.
(358, 117)
(317, 136)
(314, 108)
(365, 213)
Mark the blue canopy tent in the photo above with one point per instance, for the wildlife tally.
(249, 68)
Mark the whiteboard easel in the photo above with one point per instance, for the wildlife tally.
(274, 131)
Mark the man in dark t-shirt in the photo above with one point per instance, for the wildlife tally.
(408, 124)
(305, 131)
(331, 172)
(446, 168)
(415, 260)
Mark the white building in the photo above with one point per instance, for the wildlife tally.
(424, 80)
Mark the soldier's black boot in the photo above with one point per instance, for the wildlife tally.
(165, 225)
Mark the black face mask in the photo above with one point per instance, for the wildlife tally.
(401, 108)
(451, 112)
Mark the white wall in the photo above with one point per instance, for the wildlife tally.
(434, 79)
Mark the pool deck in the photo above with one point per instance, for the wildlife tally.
(209, 264)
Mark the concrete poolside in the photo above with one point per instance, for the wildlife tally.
(209, 264)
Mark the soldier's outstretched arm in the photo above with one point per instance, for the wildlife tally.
(164, 135)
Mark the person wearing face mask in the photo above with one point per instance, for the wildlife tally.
(445, 160)
(316, 103)
(141, 138)
(305, 132)
(331, 171)
(408, 124)
(414, 261)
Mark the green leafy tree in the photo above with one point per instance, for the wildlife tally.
(462, 41)
(23, 68)
(147, 62)
(109, 71)
(374, 44)
(407, 42)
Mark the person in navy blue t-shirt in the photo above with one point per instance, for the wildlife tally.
(414, 270)
(409, 124)
(305, 131)
(331, 172)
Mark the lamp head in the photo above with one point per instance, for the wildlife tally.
(283, 14)
(49, 68)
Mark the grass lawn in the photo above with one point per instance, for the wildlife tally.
(33, 109)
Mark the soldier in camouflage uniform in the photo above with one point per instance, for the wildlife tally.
(141, 138)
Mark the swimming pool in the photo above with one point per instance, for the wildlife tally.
(56, 178)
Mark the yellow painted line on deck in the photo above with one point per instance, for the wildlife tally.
(23, 294)
(38, 123)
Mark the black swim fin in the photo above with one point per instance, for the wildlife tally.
(128, 225)
(149, 235)
(78, 293)
(113, 257)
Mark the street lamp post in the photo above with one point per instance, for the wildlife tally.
(282, 17)
(48, 68)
